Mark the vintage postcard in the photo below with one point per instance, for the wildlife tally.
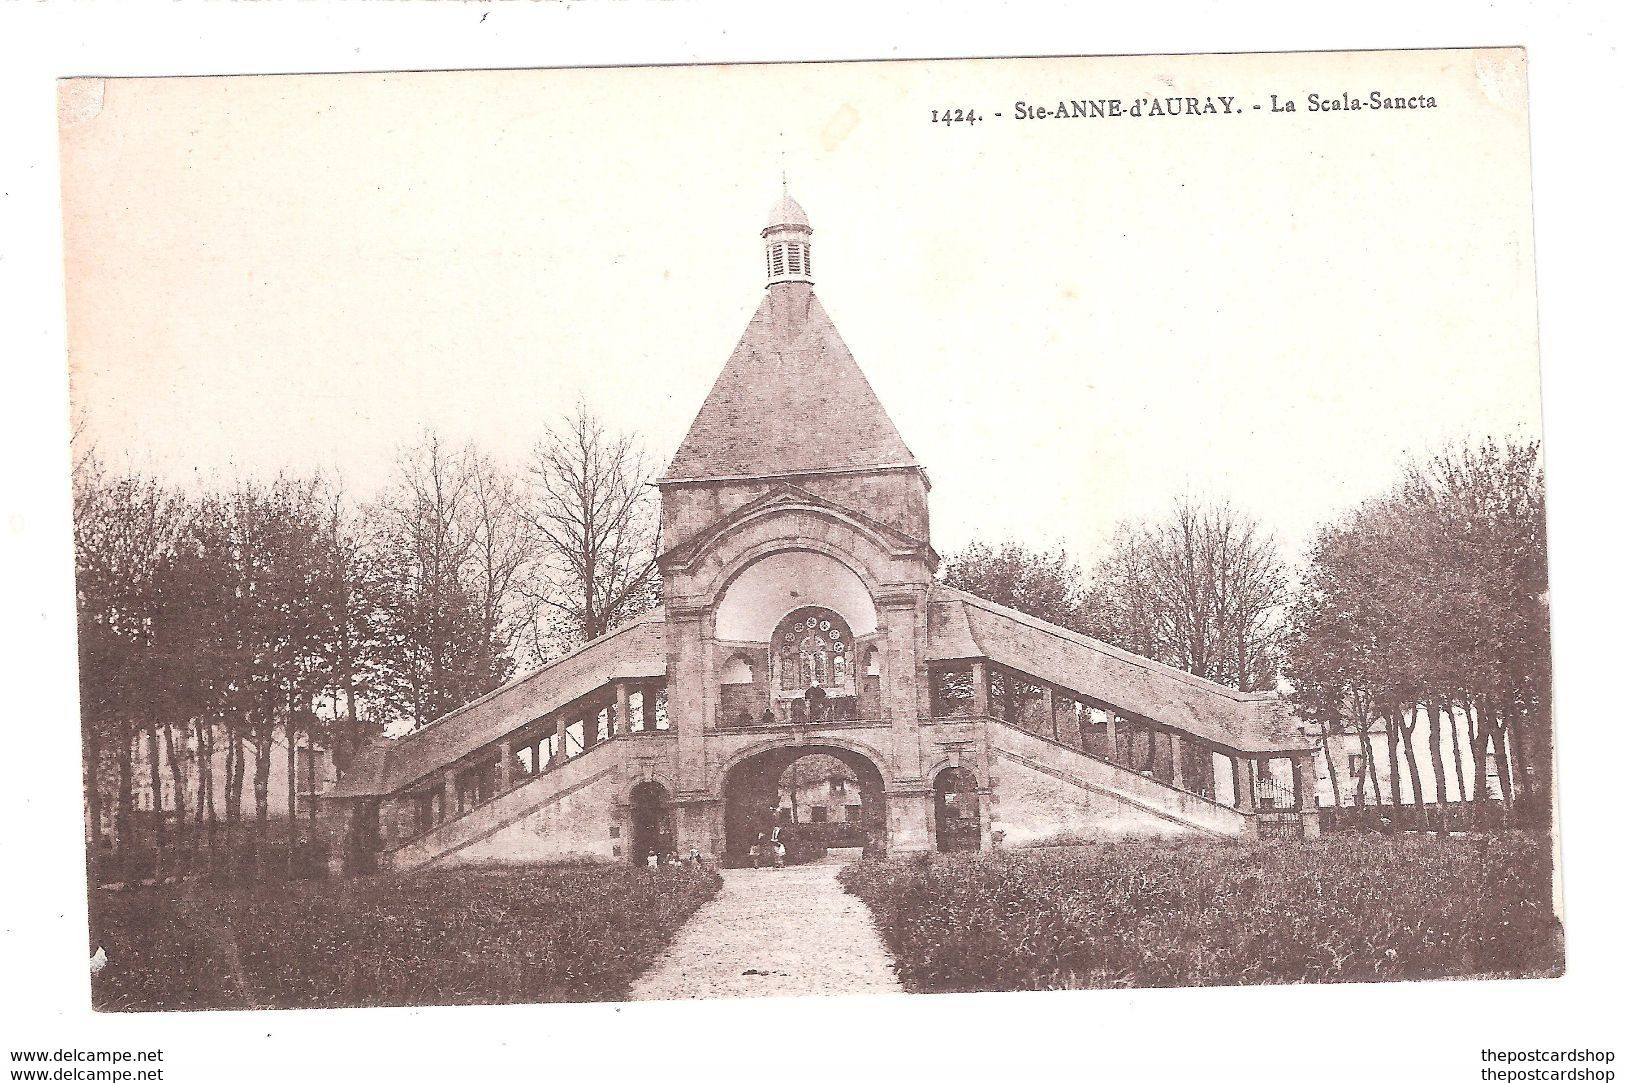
(728, 531)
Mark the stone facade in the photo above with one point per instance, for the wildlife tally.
(802, 617)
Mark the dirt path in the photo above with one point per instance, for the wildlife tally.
(786, 932)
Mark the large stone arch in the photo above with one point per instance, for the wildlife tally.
(848, 591)
(834, 740)
(716, 564)
(750, 781)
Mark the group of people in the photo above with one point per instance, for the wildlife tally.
(668, 858)
(768, 849)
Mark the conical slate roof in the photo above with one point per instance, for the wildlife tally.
(791, 400)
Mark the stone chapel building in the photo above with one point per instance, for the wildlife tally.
(802, 617)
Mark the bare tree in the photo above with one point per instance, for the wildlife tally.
(356, 656)
(1202, 589)
(432, 625)
(593, 512)
(502, 553)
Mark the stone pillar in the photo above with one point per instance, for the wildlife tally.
(1047, 717)
(1111, 736)
(686, 696)
(909, 810)
(1246, 798)
(697, 824)
(504, 764)
(1246, 793)
(1176, 757)
(333, 816)
(1303, 778)
(903, 613)
(981, 692)
(623, 709)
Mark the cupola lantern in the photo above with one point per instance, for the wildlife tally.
(788, 242)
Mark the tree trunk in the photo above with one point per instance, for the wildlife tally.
(93, 795)
(1503, 767)
(123, 823)
(350, 731)
(1441, 793)
(1331, 769)
(155, 779)
(1391, 726)
(1455, 752)
(1368, 755)
(292, 728)
(262, 799)
(235, 754)
(1478, 732)
(1538, 724)
(205, 784)
(177, 778)
(1408, 732)
(1532, 755)
(263, 736)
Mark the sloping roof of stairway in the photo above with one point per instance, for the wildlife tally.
(963, 626)
(634, 650)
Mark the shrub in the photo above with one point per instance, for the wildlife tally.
(1153, 914)
(483, 936)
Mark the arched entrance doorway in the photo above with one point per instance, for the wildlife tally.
(820, 797)
(651, 822)
(959, 810)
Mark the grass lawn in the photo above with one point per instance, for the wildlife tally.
(1343, 908)
(474, 936)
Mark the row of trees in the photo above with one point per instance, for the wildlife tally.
(289, 609)
(1428, 602)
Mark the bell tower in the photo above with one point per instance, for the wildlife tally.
(797, 559)
(792, 406)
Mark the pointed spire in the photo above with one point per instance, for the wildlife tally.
(791, 400)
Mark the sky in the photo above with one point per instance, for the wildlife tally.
(1071, 321)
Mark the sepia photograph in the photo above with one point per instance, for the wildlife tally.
(809, 529)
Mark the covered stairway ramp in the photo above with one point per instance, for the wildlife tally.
(535, 770)
(1085, 739)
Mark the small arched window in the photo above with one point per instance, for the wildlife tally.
(737, 671)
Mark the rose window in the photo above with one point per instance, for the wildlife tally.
(813, 647)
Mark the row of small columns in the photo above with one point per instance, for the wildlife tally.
(984, 706)
(508, 747)
(1244, 767)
